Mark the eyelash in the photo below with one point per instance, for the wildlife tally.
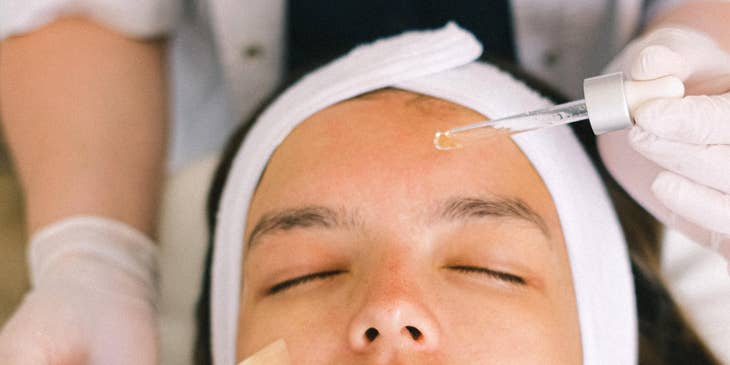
(288, 284)
(506, 277)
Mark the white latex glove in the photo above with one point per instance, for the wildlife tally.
(686, 181)
(93, 299)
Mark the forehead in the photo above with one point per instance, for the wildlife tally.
(379, 147)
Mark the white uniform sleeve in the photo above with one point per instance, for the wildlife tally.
(135, 18)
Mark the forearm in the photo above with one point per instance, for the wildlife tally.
(710, 17)
(84, 112)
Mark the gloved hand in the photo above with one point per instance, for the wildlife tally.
(93, 299)
(687, 139)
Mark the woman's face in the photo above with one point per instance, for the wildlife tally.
(365, 245)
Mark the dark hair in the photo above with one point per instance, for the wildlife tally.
(665, 336)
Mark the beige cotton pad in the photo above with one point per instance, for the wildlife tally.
(273, 354)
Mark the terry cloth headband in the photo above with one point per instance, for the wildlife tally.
(441, 63)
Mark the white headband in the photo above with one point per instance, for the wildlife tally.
(441, 63)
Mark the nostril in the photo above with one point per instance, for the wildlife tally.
(371, 334)
(415, 332)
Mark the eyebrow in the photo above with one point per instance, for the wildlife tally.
(462, 208)
(304, 217)
(454, 209)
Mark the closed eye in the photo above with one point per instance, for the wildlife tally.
(506, 277)
(288, 284)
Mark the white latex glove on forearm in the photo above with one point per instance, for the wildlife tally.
(686, 182)
(93, 299)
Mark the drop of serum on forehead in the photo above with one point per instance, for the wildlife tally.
(444, 142)
(453, 139)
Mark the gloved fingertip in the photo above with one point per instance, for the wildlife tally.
(638, 136)
(665, 185)
(657, 61)
(646, 113)
(658, 117)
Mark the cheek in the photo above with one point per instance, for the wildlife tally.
(484, 329)
(312, 331)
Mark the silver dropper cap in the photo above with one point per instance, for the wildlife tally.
(608, 109)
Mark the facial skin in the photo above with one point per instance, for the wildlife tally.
(421, 256)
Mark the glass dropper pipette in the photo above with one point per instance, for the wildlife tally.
(608, 103)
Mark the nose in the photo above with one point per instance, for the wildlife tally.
(396, 325)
